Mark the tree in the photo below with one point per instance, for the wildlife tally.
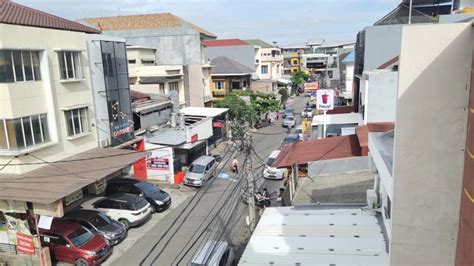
(297, 78)
(239, 112)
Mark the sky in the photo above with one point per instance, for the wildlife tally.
(283, 21)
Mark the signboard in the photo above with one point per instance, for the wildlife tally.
(325, 99)
(123, 131)
(73, 197)
(25, 244)
(158, 163)
(311, 85)
(194, 138)
(346, 131)
(45, 222)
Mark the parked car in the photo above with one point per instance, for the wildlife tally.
(214, 253)
(289, 111)
(290, 138)
(299, 131)
(289, 121)
(72, 243)
(270, 172)
(158, 199)
(129, 209)
(99, 223)
(307, 112)
(201, 170)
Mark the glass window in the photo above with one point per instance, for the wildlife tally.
(27, 65)
(18, 66)
(44, 128)
(264, 69)
(19, 133)
(37, 135)
(80, 236)
(197, 168)
(6, 66)
(162, 88)
(20, 141)
(28, 131)
(36, 65)
(3, 136)
(173, 86)
(70, 65)
(219, 85)
(77, 121)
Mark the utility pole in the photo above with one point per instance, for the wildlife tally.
(251, 199)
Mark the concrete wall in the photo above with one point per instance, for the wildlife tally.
(175, 46)
(50, 95)
(381, 96)
(382, 43)
(243, 54)
(430, 139)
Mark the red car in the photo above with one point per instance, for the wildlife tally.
(72, 243)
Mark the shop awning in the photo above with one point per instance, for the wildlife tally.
(304, 152)
(55, 181)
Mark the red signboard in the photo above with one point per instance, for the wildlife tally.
(25, 244)
(194, 138)
(158, 163)
(217, 124)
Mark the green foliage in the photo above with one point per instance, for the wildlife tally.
(297, 78)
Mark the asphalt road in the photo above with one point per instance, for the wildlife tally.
(215, 212)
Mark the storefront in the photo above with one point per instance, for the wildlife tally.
(30, 201)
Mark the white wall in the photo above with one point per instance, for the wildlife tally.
(381, 96)
(382, 43)
(429, 142)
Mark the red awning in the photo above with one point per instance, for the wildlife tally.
(304, 152)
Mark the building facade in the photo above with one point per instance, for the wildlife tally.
(228, 75)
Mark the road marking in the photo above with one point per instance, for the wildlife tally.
(468, 195)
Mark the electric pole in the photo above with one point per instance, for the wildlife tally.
(251, 199)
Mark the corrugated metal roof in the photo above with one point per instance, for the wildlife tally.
(138, 22)
(224, 42)
(321, 149)
(16, 14)
(223, 65)
(310, 236)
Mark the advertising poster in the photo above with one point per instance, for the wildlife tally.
(159, 163)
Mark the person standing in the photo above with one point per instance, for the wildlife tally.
(266, 198)
(235, 166)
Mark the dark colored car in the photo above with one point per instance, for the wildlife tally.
(158, 199)
(70, 242)
(99, 223)
(290, 138)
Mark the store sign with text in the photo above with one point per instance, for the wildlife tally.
(24, 244)
(194, 138)
(159, 163)
(325, 99)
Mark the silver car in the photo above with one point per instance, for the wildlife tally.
(289, 121)
(201, 170)
(214, 253)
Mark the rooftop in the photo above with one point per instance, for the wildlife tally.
(258, 42)
(305, 236)
(315, 150)
(226, 66)
(16, 14)
(384, 144)
(224, 42)
(139, 22)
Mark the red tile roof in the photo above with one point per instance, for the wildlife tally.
(362, 133)
(304, 152)
(224, 42)
(16, 14)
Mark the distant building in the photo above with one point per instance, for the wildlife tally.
(228, 75)
(177, 42)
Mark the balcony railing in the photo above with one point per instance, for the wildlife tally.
(217, 93)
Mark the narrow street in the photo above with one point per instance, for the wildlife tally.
(215, 212)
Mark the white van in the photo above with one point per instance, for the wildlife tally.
(270, 172)
(201, 170)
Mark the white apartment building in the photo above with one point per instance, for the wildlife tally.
(46, 105)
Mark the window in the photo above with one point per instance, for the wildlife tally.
(388, 209)
(24, 132)
(108, 65)
(148, 62)
(173, 86)
(295, 62)
(70, 65)
(330, 74)
(134, 61)
(77, 121)
(17, 66)
(264, 69)
(219, 85)
(162, 88)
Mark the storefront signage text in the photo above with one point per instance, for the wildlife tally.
(73, 197)
(24, 244)
(158, 163)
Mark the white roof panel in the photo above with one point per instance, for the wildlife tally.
(337, 119)
(310, 236)
(203, 111)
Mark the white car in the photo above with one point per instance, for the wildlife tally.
(270, 172)
(130, 210)
(307, 112)
(289, 121)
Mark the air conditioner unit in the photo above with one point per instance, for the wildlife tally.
(371, 199)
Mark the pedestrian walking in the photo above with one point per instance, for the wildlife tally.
(235, 166)
(277, 115)
(266, 198)
(288, 129)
